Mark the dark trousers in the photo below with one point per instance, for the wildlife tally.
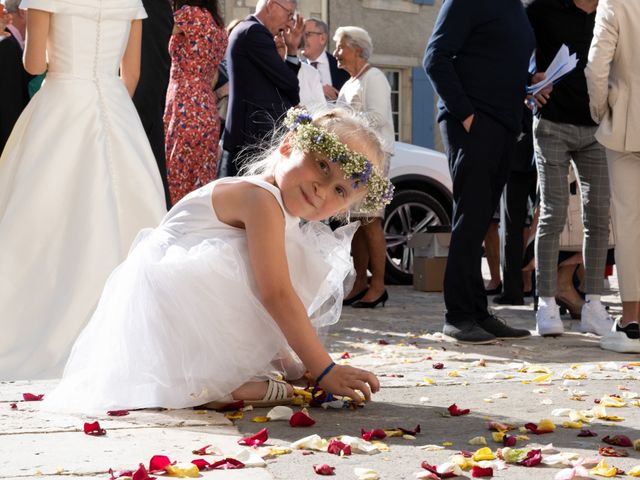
(479, 163)
(520, 187)
(227, 165)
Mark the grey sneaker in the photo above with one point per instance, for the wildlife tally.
(622, 339)
(473, 334)
(498, 327)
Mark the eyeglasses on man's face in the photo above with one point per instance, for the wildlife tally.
(291, 14)
(310, 34)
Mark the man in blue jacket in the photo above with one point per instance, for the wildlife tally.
(477, 61)
(262, 87)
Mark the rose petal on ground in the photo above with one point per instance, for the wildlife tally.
(141, 474)
(545, 426)
(227, 464)
(512, 455)
(509, 441)
(618, 440)
(358, 445)
(202, 464)
(312, 442)
(323, 469)
(575, 473)
(635, 471)
(533, 458)
(281, 413)
(612, 452)
(30, 397)
(477, 472)
(345, 355)
(13, 406)
(260, 419)
(434, 470)
(454, 411)
(375, 434)
(483, 454)
(336, 447)
(585, 432)
(183, 470)
(366, 473)
(207, 450)
(159, 463)
(438, 365)
(604, 470)
(235, 415)
(480, 440)
(301, 419)
(94, 429)
(256, 439)
(431, 448)
(249, 457)
(611, 401)
(118, 413)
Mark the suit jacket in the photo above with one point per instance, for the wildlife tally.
(338, 75)
(14, 86)
(262, 87)
(612, 73)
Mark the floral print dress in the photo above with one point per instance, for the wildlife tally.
(191, 121)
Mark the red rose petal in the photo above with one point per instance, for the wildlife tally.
(534, 457)
(336, 447)
(323, 469)
(301, 419)
(227, 464)
(612, 452)
(142, 474)
(159, 463)
(382, 341)
(407, 431)
(122, 473)
(255, 439)
(466, 453)
(438, 366)
(13, 406)
(94, 429)
(202, 464)
(585, 432)
(345, 355)
(433, 469)
(509, 440)
(203, 451)
(375, 434)
(118, 413)
(477, 471)
(618, 440)
(30, 397)
(454, 411)
(230, 407)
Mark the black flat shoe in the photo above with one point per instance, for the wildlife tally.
(355, 298)
(494, 291)
(381, 299)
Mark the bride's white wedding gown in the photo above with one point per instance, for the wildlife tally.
(78, 180)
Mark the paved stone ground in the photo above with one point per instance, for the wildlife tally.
(504, 382)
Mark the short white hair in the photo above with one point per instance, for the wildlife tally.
(355, 37)
(12, 6)
(261, 4)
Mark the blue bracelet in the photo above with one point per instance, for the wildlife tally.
(320, 377)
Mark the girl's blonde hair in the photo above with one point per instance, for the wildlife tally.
(343, 121)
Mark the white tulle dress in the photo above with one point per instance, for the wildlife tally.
(179, 322)
(78, 180)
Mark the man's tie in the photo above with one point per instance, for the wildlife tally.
(314, 64)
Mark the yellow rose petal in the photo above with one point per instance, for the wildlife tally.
(604, 470)
(234, 415)
(260, 419)
(546, 424)
(453, 373)
(614, 402)
(183, 470)
(483, 454)
(498, 436)
(478, 440)
(635, 471)
(447, 444)
(429, 381)
(542, 378)
(577, 425)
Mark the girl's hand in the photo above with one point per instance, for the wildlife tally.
(345, 380)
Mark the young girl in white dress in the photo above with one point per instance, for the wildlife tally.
(231, 285)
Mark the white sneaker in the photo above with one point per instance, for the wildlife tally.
(548, 321)
(595, 318)
(622, 339)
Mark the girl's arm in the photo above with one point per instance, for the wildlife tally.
(262, 218)
(130, 63)
(35, 51)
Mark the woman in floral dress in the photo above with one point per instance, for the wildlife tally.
(191, 121)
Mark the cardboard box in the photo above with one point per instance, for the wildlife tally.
(430, 244)
(428, 273)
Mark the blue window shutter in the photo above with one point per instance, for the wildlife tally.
(424, 2)
(422, 109)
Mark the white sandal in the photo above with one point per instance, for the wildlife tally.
(276, 395)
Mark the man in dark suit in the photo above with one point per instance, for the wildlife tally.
(262, 87)
(14, 80)
(316, 37)
(151, 91)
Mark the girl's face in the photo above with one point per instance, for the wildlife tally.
(313, 187)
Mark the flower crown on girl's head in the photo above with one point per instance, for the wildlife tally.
(309, 137)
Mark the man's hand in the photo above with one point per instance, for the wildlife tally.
(293, 35)
(280, 45)
(345, 380)
(539, 100)
(468, 122)
(330, 93)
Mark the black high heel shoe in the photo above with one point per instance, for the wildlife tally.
(494, 291)
(356, 297)
(381, 299)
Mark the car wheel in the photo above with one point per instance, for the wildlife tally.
(410, 212)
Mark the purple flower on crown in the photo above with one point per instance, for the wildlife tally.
(319, 138)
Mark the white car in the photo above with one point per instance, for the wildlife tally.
(422, 199)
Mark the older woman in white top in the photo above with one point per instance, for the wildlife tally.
(367, 91)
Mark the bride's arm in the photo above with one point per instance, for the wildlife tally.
(130, 63)
(35, 51)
